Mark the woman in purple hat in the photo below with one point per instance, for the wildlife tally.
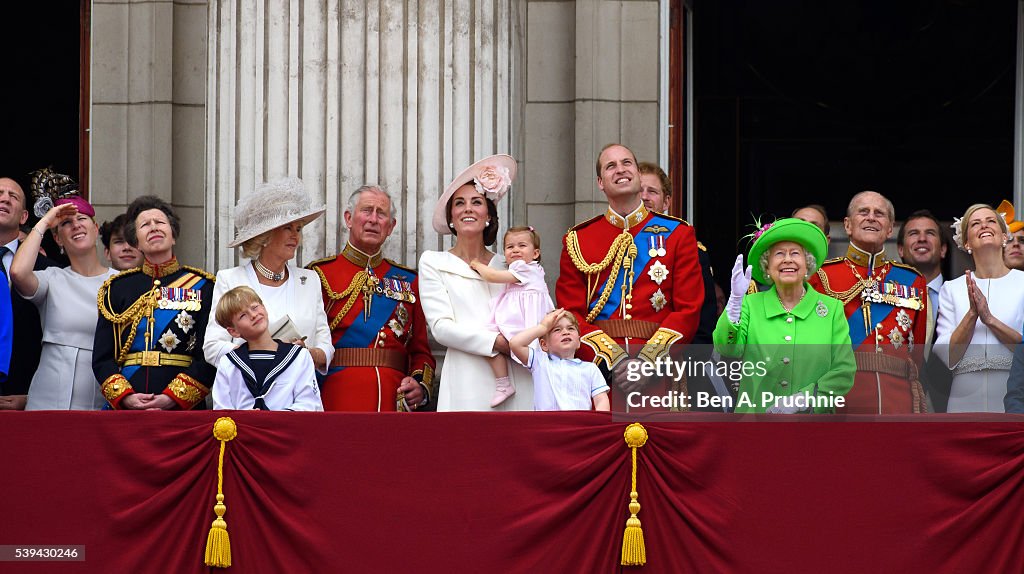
(66, 297)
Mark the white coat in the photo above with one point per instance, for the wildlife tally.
(305, 307)
(457, 305)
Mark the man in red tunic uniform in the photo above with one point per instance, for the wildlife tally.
(631, 277)
(382, 360)
(886, 307)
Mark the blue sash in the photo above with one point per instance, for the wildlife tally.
(879, 311)
(643, 257)
(161, 319)
(360, 334)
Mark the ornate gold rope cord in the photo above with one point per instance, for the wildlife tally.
(615, 256)
(352, 292)
(130, 316)
(845, 296)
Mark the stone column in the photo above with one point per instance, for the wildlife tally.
(148, 110)
(403, 93)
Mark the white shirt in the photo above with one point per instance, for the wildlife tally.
(577, 383)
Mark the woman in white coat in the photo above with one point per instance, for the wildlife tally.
(456, 300)
(269, 223)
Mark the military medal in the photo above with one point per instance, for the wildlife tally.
(658, 300)
(658, 272)
(657, 246)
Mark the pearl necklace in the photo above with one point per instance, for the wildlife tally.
(794, 306)
(267, 273)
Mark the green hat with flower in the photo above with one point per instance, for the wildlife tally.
(806, 234)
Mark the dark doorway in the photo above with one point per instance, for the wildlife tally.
(801, 102)
(41, 121)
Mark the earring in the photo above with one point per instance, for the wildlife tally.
(62, 250)
(451, 226)
(1004, 242)
(969, 251)
(488, 224)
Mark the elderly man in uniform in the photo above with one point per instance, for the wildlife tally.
(630, 276)
(382, 360)
(886, 307)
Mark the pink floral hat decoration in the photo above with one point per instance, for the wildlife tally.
(492, 177)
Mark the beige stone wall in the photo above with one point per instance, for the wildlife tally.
(581, 74)
(149, 110)
(591, 79)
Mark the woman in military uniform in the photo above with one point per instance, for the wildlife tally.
(791, 339)
(148, 352)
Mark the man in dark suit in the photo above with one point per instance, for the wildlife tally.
(922, 243)
(28, 333)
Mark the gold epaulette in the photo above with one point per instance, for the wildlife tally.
(200, 272)
(907, 267)
(833, 260)
(402, 267)
(319, 262)
(673, 218)
(586, 223)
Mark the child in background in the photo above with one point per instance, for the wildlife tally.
(262, 373)
(561, 382)
(523, 302)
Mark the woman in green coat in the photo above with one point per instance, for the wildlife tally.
(794, 343)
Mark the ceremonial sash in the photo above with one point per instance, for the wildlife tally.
(879, 311)
(362, 334)
(643, 257)
(161, 319)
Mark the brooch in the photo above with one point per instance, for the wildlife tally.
(658, 272)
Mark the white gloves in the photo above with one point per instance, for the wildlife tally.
(739, 283)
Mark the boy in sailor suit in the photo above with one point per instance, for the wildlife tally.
(263, 373)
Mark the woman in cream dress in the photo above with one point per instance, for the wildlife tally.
(457, 301)
(269, 223)
(979, 315)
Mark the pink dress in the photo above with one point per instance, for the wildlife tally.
(524, 304)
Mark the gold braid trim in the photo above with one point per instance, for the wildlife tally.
(131, 316)
(353, 291)
(621, 248)
(845, 296)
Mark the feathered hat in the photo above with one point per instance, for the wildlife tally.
(51, 189)
(272, 205)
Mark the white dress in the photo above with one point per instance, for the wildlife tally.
(979, 378)
(457, 305)
(68, 312)
(300, 298)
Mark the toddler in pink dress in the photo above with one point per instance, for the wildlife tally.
(524, 301)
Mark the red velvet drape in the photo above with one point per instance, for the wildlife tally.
(531, 492)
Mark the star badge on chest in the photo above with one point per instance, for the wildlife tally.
(658, 272)
(896, 338)
(658, 300)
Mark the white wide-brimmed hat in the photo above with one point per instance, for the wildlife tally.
(272, 205)
(493, 176)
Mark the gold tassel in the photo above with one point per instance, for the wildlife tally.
(633, 551)
(218, 545)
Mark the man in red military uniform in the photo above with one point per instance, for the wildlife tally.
(382, 361)
(631, 277)
(886, 307)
